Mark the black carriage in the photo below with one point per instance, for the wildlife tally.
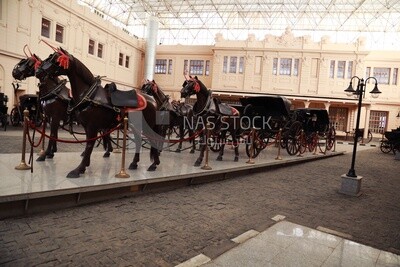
(267, 115)
(29, 102)
(310, 128)
(3, 110)
(391, 142)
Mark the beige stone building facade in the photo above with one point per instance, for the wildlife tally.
(309, 73)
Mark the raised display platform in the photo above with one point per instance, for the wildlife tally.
(47, 188)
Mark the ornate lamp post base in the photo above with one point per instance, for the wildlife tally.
(351, 186)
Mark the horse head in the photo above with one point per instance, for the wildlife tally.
(26, 67)
(190, 87)
(150, 87)
(56, 64)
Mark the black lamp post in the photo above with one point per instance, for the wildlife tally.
(352, 186)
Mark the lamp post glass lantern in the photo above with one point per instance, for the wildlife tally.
(360, 93)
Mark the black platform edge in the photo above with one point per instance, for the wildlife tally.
(29, 204)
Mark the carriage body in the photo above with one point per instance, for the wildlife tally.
(313, 120)
(266, 116)
(391, 143)
(30, 103)
(266, 113)
(310, 128)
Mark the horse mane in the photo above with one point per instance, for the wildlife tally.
(83, 71)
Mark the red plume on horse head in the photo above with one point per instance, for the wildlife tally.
(196, 84)
(34, 57)
(63, 59)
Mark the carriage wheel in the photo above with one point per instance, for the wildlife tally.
(369, 137)
(291, 138)
(385, 146)
(291, 146)
(215, 143)
(331, 138)
(14, 117)
(323, 144)
(311, 142)
(259, 143)
(302, 143)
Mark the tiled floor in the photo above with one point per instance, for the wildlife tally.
(289, 244)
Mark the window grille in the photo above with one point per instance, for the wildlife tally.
(378, 121)
(233, 65)
(161, 66)
(382, 75)
(341, 69)
(285, 66)
(196, 67)
(338, 118)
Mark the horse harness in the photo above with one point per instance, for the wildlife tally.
(55, 93)
(87, 99)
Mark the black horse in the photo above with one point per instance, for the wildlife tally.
(220, 117)
(94, 108)
(54, 98)
(179, 114)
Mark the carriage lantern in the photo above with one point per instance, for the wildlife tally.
(351, 183)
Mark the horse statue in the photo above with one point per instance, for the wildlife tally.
(100, 109)
(178, 113)
(207, 109)
(54, 98)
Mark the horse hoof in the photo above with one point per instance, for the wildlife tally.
(132, 166)
(191, 151)
(152, 168)
(236, 159)
(50, 156)
(197, 164)
(73, 174)
(178, 150)
(106, 155)
(41, 158)
(219, 158)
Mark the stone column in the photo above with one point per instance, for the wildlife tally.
(151, 43)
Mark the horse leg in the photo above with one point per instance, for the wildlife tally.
(202, 149)
(136, 158)
(86, 158)
(193, 141)
(154, 155)
(236, 146)
(52, 142)
(222, 140)
(107, 145)
(181, 136)
(42, 157)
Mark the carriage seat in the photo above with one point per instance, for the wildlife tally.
(222, 108)
(122, 98)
